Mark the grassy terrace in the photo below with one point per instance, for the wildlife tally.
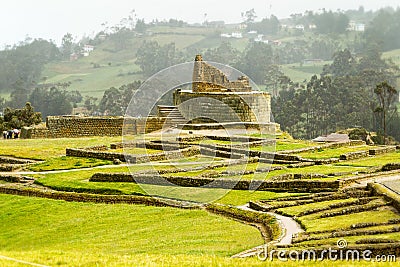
(333, 152)
(337, 170)
(39, 149)
(78, 181)
(136, 151)
(374, 161)
(345, 221)
(312, 222)
(327, 216)
(282, 145)
(66, 163)
(352, 240)
(296, 210)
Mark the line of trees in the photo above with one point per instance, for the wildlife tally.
(385, 29)
(351, 92)
(256, 59)
(54, 99)
(22, 65)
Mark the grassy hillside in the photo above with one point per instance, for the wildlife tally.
(115, 63)
(393, 55)
(116, 66)
(299, 73)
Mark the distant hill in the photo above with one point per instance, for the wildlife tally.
(106, 66)
(112, 64)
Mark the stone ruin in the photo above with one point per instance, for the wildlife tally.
(213, 99)
(207, 78)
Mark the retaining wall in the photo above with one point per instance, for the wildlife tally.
(354, 155)
(76, 126)
(292, 185)
(324, 146)
(382, 150)
(106, 199)
(388, 194)
(176, 154)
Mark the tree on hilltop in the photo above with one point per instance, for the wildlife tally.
(18, 118)
(386, 96)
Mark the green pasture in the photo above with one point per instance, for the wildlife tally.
(45, 149)
(44, 227)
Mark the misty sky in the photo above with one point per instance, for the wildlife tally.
(51, 19)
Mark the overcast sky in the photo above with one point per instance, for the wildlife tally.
(51, 19)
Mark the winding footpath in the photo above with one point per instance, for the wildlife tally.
(289, 228)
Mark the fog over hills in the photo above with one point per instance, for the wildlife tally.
(52, 19)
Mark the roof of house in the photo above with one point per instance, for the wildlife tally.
(334, 137)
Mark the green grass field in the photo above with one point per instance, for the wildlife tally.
(374, 161)
(333, 152)
(58, 233)
(282, 145)
(92, 81)
(43, 226)
(299, 73)
(117, 66)
(66, 163)
(38, 149)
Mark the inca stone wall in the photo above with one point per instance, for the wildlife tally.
(286, 185)
(82, 126)
(207, 78)
(74, 126)
(224, 107)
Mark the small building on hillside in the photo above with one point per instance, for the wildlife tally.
(356, 26)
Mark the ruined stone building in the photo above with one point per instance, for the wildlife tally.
(214, 98)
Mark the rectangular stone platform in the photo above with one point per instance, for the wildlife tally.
(264, 127)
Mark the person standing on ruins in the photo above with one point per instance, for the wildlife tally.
(9, 134)
(16, 133)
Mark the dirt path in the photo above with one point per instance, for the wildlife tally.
(289, 228)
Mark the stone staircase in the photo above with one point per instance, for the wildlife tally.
(173, 115)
